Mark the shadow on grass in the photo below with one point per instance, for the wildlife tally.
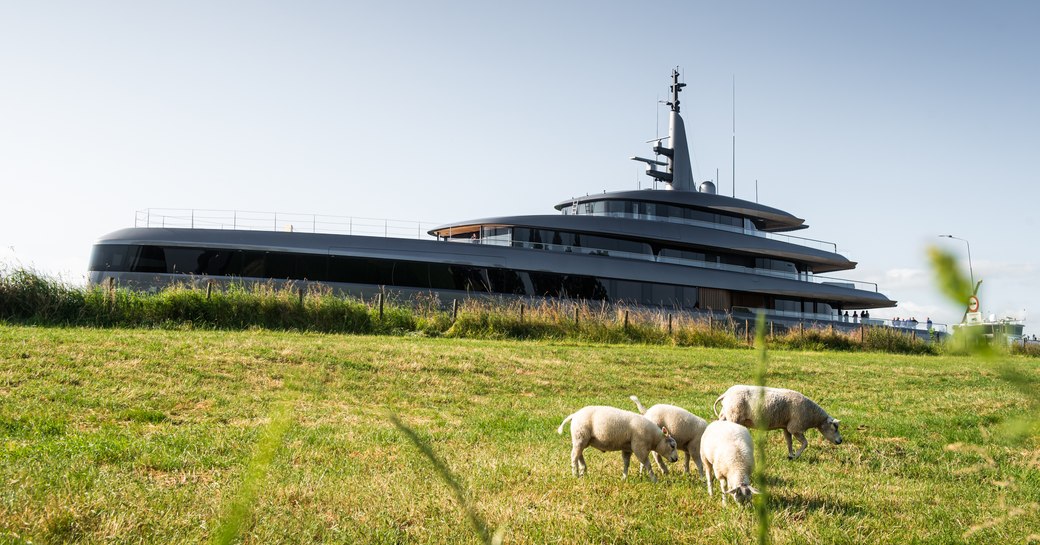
(797, 502)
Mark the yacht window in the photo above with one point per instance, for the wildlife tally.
(148, 259)
(724, 219)
(776, 265)
(500, 236)
(627, 291)
(664, 294)
(682, 254)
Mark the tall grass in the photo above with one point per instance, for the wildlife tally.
(27, 297)
(761, 501)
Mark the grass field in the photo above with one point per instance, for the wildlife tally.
(147, 436)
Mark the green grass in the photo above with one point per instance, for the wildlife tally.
(187, 436)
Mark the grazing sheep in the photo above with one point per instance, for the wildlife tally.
(685, 427)
(783, 409)
(610, 429)
(728, 454)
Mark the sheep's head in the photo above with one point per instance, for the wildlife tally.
(666, 447)
(829, 429)
(743, 493)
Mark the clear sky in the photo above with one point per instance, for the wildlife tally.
(883, 124)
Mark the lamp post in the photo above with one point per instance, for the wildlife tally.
(970, 272)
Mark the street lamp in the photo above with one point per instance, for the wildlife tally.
(969, 257)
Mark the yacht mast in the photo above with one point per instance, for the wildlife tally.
(679, 175)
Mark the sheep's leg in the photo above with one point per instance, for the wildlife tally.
(660, 463)
(686, 461)
(723, 485)
(790, 451)
(626, 457)
(707, 474)
(578, 460)
(801, 439)
(697, 460)
(644, 458)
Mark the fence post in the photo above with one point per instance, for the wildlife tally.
(801, 329)
(454, 309)
(861, 328)
(521, 313)
(111, 295)
(301, 296)
(669, 324)
(380, 300)
(711, 322)
(209, 289)
(575, 315)
(747, 332)
(770, 329)
(626, 318)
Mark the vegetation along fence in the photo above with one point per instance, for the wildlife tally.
(28, 297)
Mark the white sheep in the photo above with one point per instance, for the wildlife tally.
(685, 427)
(610, 429)
(783, 409)
(728, 454)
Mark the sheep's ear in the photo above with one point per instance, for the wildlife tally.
(734, 491)
(753, 490)
(665, 430)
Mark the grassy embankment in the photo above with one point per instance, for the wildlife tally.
(27, 297)
(115, 435)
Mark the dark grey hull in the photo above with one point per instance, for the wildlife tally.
(527, 260)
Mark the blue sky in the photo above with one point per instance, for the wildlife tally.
(883, 124)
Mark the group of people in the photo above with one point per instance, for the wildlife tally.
(856, 316)
(896, 322)
(911, 323)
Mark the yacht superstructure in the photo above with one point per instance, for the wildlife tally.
(684, 247)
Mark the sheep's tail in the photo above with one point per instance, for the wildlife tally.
(642, 409)
(559, 430)
(713, 405)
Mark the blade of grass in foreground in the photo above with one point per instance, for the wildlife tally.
(761, 501)
(1017, 430)
(479, 525)
(237, 512)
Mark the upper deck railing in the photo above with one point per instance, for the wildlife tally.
(791, 239)
(278, 221)
(803, 277)
(346, 225)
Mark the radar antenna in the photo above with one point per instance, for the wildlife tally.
(675, 88)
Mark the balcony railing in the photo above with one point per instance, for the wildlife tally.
(791, 239)
(279, 221)
(816, 279)
(344, 225)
